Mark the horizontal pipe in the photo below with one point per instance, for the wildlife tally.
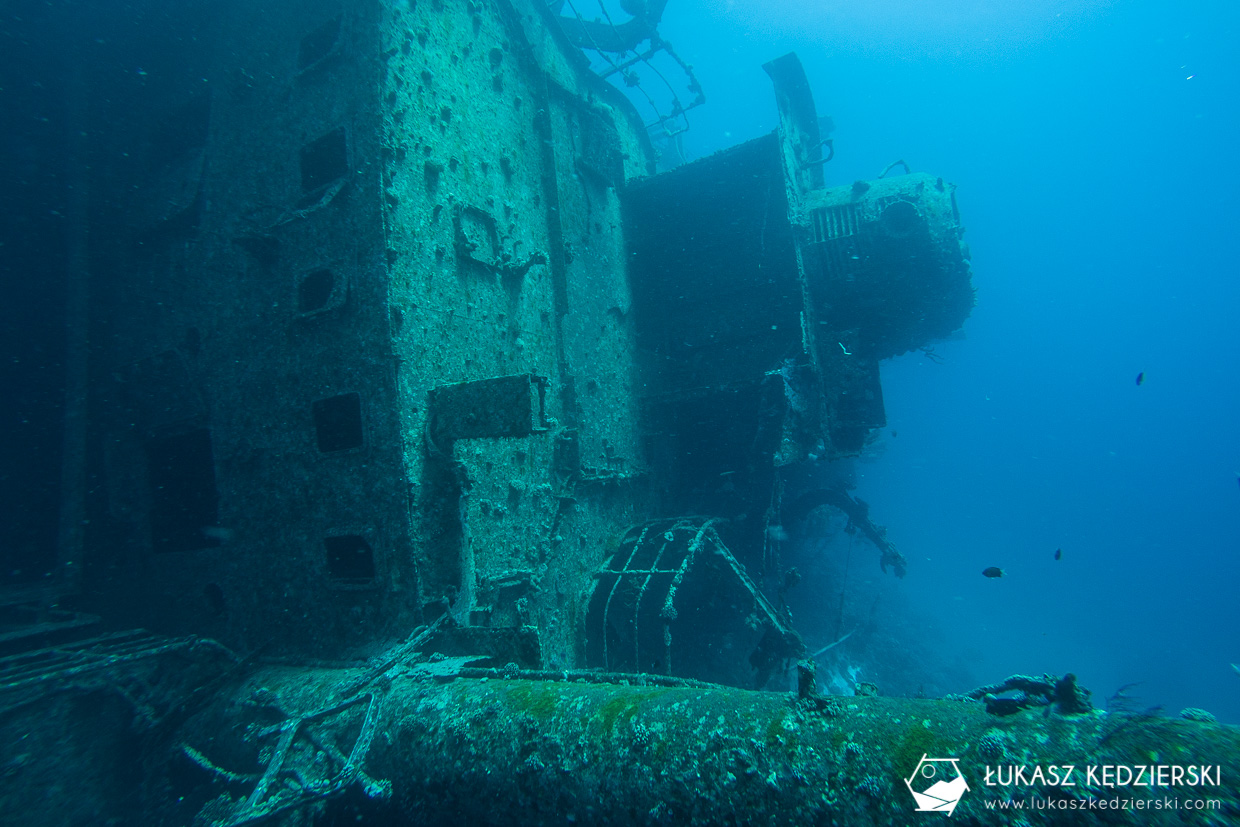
(447, 749)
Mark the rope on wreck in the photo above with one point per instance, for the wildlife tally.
(394, 657)
(258, 805)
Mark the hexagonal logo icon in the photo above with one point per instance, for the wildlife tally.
(937, 784)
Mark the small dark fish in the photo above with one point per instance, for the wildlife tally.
(1058, 554)
(1140, 378)
(893, 433)
(993, 571)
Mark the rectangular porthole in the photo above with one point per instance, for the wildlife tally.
(338, 422)
(320, 289)
(324, 161)
(184, 500)
(350, 559)
(319, 45)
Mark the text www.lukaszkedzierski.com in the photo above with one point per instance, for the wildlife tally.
(1165, 803)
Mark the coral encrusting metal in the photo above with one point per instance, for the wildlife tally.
(438, 741)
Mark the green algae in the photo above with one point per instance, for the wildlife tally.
(538, 700)
(916, 742)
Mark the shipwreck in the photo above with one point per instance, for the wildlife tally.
(430, 437)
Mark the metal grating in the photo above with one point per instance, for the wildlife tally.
(618, 47)
(53, 666)
(836, 222)
(669, 600)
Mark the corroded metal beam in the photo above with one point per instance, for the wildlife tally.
(516, 751)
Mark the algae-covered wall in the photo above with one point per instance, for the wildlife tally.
(503, 157)
(244, 390)
(330, 211)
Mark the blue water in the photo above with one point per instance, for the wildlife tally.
(1093, 146)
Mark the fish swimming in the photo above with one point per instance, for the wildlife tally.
(1140, 378)
(1058, 553)
(993, 571)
